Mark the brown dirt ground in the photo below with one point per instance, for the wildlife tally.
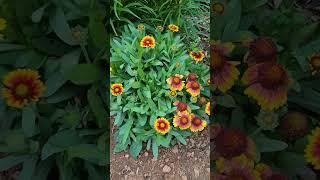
(180, 162)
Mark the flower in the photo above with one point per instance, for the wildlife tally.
(110, 70)
(193, 87)
(202, 101)
(140, 27)
(21, 87)
(267, 120)
(3, 24)
(173, 28)
(231, 142)
(218, 8)
(148, 41)
(262, 49)
(194, 99)
(268, 84)
(225, 48)
(314, 63)
(197, 124)
(182, 120)
(207, 109)
(159, 28)
(293, 125)
(224, 74)
(208, 82)
(172, 93)
(312, 150)
(181, 106)
(192, 77)
(175, 82)
(266, 173)
(116, 89)
(197, 55)
(162, 125)
(236, 168)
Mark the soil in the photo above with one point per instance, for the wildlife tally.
(180, 162)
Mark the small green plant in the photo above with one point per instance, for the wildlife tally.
(154, 91)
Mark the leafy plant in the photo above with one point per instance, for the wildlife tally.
(143, 72)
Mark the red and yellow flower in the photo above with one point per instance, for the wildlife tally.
(182, 120)
(162, 125)
(140, 27)
(312, 151)
(148, 41)
(192, 77)
(262, 49)
(266, 173)
(224, 73)
(231, 142)
(173, 28)
(197, 124)
(314, 63)
(239, 167)
(193, 88)
(181, 106)
(197, 55)
(293, 125)
(21, 87)
(268, 84)
(116, 89)
(207, 109)
(172, 93)
(175, 82)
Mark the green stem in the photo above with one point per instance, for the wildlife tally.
(257, 131)
(85, 52)
(100, 53)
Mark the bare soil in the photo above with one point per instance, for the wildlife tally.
(180, 162)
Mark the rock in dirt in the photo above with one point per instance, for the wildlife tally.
(190, 154)
(166, 169)
(146, 154)
(175, 149)
(196, 172)
(184, 178)
(127, 155)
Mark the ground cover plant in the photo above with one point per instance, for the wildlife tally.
(156, 85)
(265, 74)
(53, 101)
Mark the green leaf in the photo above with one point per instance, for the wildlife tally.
(226, 101)
(29, 166)
(60, 26)
(28, 121)
(97, 28)
(60, 142)
(88, 152)
(135, 148)
(291, 161)
(63, 94)
(10, 47)
(97, 107)
(53, 83)
(10, 161)
(265, 144)
(237, 118)
(125, 130)
(71, 119)
(84, 74)
(38, 14)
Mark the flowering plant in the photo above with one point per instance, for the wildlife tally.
(155, 87)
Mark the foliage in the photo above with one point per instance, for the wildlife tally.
(246, 20)
(143, 73)
(65, 133)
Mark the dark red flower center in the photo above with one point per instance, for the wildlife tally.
(195, 85)
(176, 80)
(271, 75)
(182, 106)
(22, 90)
(315, 62)
(196, 121)
(162, 125)
(197, 55)
(184, 120)
(263, 47)
(117, 89)
(192, 77)
(218, 8)
(231, 142)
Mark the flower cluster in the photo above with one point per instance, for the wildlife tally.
(235, 155)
